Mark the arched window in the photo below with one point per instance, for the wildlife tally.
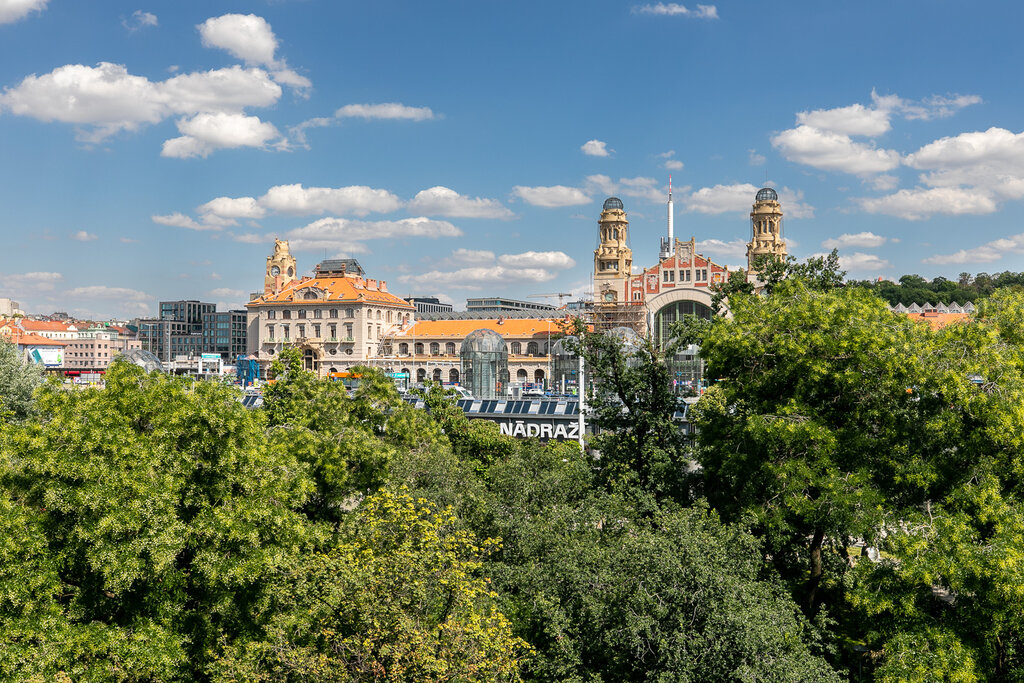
(516, 349)
(333, 313)
(378, 314)
(449, 349)
(419, 349)
(405, 371)
(521, 375)
(538, 377)
(403, 349)
(531, 349)
(421, 375)
(435, 349)
(437, 374)
(350, 313)
(333, 370)
(453, 376)
(390, 314)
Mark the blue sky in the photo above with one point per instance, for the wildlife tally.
(456, 148)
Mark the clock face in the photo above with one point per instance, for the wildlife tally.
(609, 296)
(275, 271)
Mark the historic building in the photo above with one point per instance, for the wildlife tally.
(337, 318)
(766, 238)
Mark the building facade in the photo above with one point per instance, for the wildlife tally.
(337, 318)
(497, 304)
(429, 304)
(190, 328)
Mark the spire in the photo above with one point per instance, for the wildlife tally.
(671, 219)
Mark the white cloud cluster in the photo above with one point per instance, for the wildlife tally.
(554, 196)
(14, 10)
(345, 235)
(860, 239)
(595, 148)
(83, 236)
(986, 253)
(736, 249)
(922, 203)
(250, 38)
(358, 200)
(673, 9)
(739, 197)
(482, 268)
(387, 110)
(444, 201)
(823, 138)
(106, 99)
(671, 164)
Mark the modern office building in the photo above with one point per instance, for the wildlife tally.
(191, 328)
(498, 304)
(429, 304)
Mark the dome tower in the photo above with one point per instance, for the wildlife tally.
(765, 228)
(613, 259)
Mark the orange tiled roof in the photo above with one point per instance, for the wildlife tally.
(339, 289)
(458, 329)
(43, 326)
(28, 339)
(938, 320)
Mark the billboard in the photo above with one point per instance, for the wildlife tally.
(50, 357)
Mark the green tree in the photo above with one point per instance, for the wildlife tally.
(18, 380)
(397, 598)
(149, 513)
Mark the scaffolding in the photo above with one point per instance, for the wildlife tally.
(605, 317)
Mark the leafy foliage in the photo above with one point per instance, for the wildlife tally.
(17, 382)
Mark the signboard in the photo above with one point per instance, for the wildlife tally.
(50, 357)
(211, 356)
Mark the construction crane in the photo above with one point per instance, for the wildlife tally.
(560, 295)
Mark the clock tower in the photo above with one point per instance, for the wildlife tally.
(280, 268)
(613, 259)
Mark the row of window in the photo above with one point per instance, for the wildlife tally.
(316, 313)
(300, 331)
(684, 275)
(514, 348)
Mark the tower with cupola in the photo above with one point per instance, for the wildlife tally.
(280, 268)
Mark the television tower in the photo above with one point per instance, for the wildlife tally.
(668, 247)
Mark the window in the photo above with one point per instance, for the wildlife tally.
(270, 332)
(437, 374)
(670, 276)
(419, 348)
(369, 331)
(435, 349)
(403, 350)
(302, 313)
(449, 349)
(286, 314)
(390, 313)
(379, 335)
(348, 330)
(316, 330)
(333, 313)
(516, 349)
(531, 349)
(301, 330)
(271, 314)
(284, 329)
(334, 331)
(318, 313)
(350, 313)
(378, 314)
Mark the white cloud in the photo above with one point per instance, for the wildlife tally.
(754, 158)
(640, 187)
(934, 107)
(13, 10)
(990, 161)
(673, 165)
(920, 203)
(104, 292)
(986, 253)
(30, 284)
(674, 9)
(471, 257)
(595, 148)
(139, 20)
(83, 236)
(129, 240)
(358, 200)
(736, 248)
(855, 119)
(388, 110)
(443, 201)
(860, 239)
(554, 196)
(739, 197)
(342, 233)
(245, 36)
(884, 182)
(830, 151)
(107, 99)
(230, 208)
(179, 220)
(472, 278)
(537, 259)
(205, 133)
(858, 262)
(251, 238)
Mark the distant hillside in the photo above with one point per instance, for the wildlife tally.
(914, 289)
